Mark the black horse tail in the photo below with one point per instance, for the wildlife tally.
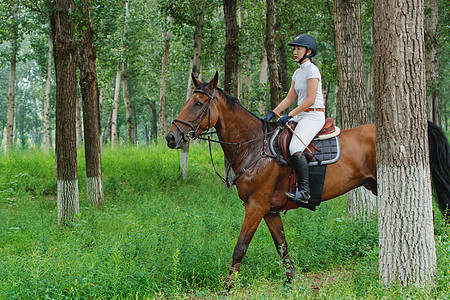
(439, 151)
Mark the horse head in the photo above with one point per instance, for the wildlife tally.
(198, 115)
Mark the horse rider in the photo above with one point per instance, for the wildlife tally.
(309, 114)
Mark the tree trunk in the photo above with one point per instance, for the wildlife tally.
(89, 93)
(46, 112)
(35, 130)
(196, 71)
(196, 59)
(336, 106)
(65, 57)
(114, 133)
(231, 47)
(263, 78)
(162, 94)
(128, 109)
(285, 81)
(432, 62)
(125, 89)
(79, 124)
(355, 107)
(248, 81)
(154, 135)
(272, 55)
(12, 83)
(107, 132)
(405, 217)
(326, 96)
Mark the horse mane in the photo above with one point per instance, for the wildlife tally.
(234, 102)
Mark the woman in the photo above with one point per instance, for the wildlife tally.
(310, 112)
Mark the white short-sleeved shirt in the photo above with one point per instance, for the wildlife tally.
(306, 71)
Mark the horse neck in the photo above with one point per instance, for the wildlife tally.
(239, 126)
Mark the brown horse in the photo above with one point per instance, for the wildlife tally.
(262, 181)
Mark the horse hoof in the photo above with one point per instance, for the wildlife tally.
(228, 284)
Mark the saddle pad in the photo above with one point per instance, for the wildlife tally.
(331, 151)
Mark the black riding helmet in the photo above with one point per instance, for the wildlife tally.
(307, 41)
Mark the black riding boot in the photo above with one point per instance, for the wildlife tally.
(301, 169)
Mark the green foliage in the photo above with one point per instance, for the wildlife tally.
(160, 237)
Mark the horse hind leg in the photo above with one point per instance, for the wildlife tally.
(275, 225)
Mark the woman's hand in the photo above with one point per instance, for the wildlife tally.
(269, 116)
(283, 120)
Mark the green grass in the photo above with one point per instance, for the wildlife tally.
(159, 237)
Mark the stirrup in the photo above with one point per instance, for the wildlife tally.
(296, 197)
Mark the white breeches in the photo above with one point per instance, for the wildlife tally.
(309, 124)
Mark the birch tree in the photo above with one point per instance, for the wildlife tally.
(46, 111)
(12, 80)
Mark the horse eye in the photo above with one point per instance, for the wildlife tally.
(198, 103)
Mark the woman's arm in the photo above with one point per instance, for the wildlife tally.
(311, 92)
(292, 94)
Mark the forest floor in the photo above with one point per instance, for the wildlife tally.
(162, 238)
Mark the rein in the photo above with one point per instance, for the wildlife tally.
(229, 183)
(192, 135)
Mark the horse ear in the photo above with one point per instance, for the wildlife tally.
(213, 83)
(196, 82)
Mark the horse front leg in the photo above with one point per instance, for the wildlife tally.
(275, 225)
(253, 216)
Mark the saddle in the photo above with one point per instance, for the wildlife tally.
(324, 149)
(328, 131)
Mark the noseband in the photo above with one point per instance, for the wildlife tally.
(192, 135)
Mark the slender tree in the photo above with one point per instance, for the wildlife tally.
(352, 84)
(114, 133)
(432, 62)
(79, 124)
(231, 47)
(65, 56)
(263, 77)
(12, 81)
(195, 68)
(271, 55)
(46, 112)
(405, 217)
(162, 95)
(125, 79)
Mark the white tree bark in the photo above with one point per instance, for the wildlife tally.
(79, 125)
(114, 134)
(405, 218)
(46, 112)
(361, 204)
(12, 84)
(94, 189)
(68, 205)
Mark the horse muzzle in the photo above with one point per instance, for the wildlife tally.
(175, 140)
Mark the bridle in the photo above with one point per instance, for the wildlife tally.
(192, 135)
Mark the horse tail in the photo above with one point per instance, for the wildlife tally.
(439, 152)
